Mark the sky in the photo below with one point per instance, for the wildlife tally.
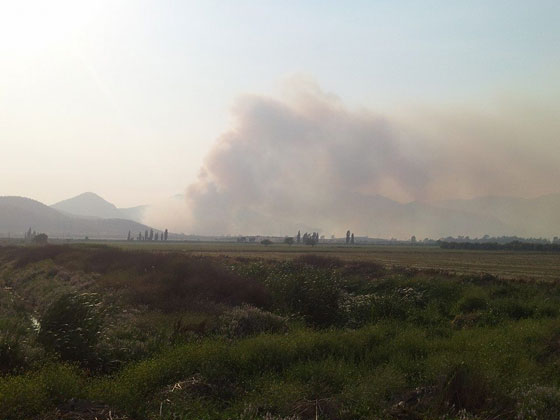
(142, 100)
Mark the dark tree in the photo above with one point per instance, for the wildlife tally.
(151, 234)
(165, 235)
(289, 240)
(352, 239)
(309, 239)
(41, 239)
(347, 237)
(298, 237)
(266, 242)
(129, 237)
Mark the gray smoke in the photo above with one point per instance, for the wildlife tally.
(310, 163)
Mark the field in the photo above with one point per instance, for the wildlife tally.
(505, 264)
(245, 331)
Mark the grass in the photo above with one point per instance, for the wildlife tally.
(209, 336)
(367, 370)
(506, 264)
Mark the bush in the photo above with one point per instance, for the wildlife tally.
(166, 281)
(513, 308)
(71, 326)
(399, 303)
(319, 261)
(12, 357)
(312, 293)
(25, 396)
(466, 388)
(41, 239)
(472, 301)
(177, 282)
(538, 403)
(248, 320)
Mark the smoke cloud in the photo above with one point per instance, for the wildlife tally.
(310, 163)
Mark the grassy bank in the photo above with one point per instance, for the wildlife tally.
(176, 336)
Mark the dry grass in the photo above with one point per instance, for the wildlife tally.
(505, 264)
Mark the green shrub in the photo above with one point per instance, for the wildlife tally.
(465, 387)
(71, 326)
(510, 308)
(358, 310)
(12, 354)
(473, 300)
(307, 291)
(25, 396)
(397, 303)
(247, 320)
(538, 403)
(546, 309)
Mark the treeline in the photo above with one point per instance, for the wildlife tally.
(495, 246)
(34, 237)
(149, 236)
(499, 239)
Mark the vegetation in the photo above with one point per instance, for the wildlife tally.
(168, 335)
(70, 328)
(510, 246)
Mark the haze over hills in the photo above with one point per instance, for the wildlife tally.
(18, 214)
(380, 217)
(89, 204)
(88, 214)
(492, 215)
(523, 217)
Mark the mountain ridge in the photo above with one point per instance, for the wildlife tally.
(89, 204)
(373, 215)
(18, 214)
(539, 216)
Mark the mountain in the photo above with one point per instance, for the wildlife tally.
(534, 217)
(18, 214)
(91, 205)
(90, 215)
(388, 218)
(376, 216)
(133, 213)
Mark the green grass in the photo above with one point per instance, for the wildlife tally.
(360, 371)
(344, 338)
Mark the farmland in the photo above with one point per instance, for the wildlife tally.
(245, 331)
(505, 264)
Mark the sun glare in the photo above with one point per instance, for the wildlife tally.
(37, 27)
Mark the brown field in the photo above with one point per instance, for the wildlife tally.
(505, 264)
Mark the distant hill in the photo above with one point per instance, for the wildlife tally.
(17, 214)
(133, 213)
(90, 215)
(525, 217)
(91, 205)
(380, 217)
(389, 218)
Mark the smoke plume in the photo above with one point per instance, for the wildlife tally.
(310, 163)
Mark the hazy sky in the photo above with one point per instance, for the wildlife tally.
(128, 98)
